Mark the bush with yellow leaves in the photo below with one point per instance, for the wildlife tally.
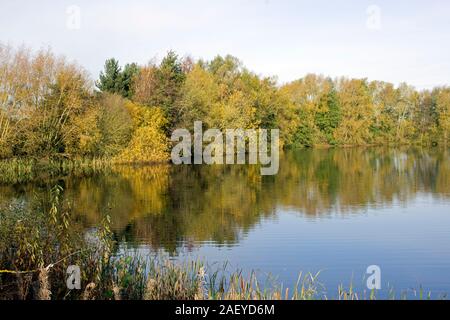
(148, 142)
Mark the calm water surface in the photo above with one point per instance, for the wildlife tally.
(334, 211)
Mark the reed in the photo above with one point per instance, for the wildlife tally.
(18, 170)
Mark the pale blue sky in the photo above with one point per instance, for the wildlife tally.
(287, 39)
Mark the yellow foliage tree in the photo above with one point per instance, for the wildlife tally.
(148, 142)
(443, 108)
(357, 110)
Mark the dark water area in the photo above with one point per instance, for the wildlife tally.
(336, 211)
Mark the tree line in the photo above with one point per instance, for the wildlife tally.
(49, 107)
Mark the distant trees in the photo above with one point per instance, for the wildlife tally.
(109, 79)
(328, 117)
(443, 110)
(161, 86)
(115, 80)
(49, 107)
(43, 98)
(115, 124)
(358, 112)
(223, 95)
(317, 108)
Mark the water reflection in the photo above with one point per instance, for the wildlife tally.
(164, 205)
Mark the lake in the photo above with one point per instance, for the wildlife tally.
(336, 211)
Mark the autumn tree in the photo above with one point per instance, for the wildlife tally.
(425, 118)
(328, 115)
(403, 112)
(309, 96)
(160, 86)
(148, 142)
(115, 125)
(42, 95)
(199, 93)
(384, 99)
(49, 108)
(357, 110)
(145, 85)
(443, 110)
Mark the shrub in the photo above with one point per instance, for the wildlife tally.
(148, 142)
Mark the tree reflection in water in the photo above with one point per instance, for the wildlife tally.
(166, 205)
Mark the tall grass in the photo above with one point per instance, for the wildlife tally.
(37, 243)
(24, 170)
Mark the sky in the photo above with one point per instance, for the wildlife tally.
(394, 41)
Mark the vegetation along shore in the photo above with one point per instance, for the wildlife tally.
(55, 120)
(50, 108)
